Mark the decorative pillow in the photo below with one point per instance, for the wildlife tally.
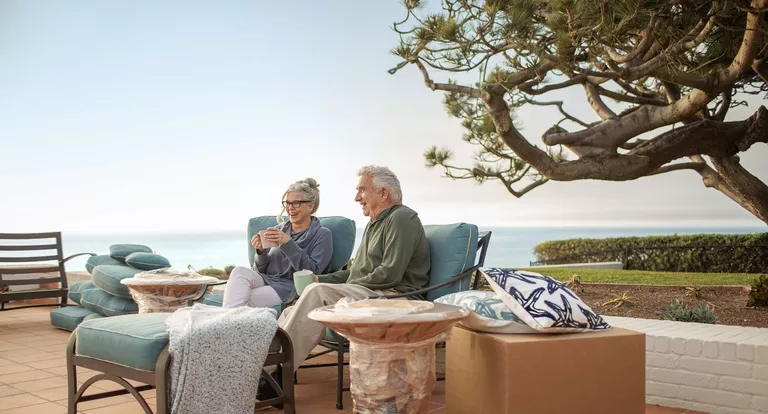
(76, 290)
(101, 302)
(147, 261)
(121, 251)
(543, 303)
(108, 278)
(103, 259)
(489, 313)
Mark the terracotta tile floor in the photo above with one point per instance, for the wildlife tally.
(33, 376)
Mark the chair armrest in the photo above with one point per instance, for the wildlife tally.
(66, 259)
(459, 277)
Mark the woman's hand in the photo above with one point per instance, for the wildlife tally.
(276, 236)
(256, 243)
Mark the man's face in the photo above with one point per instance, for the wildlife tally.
(370, 199)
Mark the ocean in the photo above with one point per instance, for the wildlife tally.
(509, 247)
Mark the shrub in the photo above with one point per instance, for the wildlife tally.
(211, 271)
(678, 312)
(653, 253)
(228, 269)
(758, 296)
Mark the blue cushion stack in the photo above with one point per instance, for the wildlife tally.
(103, 295)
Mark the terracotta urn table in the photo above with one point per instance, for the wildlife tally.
(167, 290)
(392, 349)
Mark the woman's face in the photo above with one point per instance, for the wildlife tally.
(297, 207)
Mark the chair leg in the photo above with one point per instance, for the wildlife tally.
(340, 374)
(161, 382)
(71, 376)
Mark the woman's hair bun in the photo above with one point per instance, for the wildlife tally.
(312, 183)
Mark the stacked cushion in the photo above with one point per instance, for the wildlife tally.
(121, 251)
(108, 278)
(76, 290)
(69, 317)
(103, 259)
(103, 303)
(147, 261)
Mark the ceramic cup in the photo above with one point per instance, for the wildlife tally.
(264, 242)
(302, 279)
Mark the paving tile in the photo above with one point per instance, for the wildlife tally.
(87, 406)
(124, 408)
(18, 352)
(19, 400)
(4, 362)
(8, 346)
(14, 368)
(47, 408)
(24, 376)
(7, 390)
(41, 384)
(39, 356)
(59, 361)
(61, 371)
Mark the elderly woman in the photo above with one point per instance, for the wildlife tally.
(302, 244)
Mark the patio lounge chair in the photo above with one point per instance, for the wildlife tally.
(453, 250)
(38, 255)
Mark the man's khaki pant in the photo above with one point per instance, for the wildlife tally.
(306, 333)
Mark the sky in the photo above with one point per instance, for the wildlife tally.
(196, 115)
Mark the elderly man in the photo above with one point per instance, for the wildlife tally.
(393, 257)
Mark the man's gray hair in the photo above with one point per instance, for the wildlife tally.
(384, 178)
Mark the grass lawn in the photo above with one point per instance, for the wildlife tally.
(648, 278)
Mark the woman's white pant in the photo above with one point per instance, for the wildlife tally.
(246, 287)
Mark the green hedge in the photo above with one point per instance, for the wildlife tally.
(656, 254)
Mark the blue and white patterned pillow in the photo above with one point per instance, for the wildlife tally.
(543, 303)
(489, 312)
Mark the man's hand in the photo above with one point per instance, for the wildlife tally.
(317, 279)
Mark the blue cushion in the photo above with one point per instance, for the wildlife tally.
(108, 278)
(147, 261)
(489, 312)
(214, 299)
(93, 316)
(76, 290)
(131, 340)
(121, 251)
(103, 259)
(452, 249)
(69, 317)
(342, 232)
(101, 302)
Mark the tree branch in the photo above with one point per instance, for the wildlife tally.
(612, 133)
(447, 87)
(696, 166)
(593, 97)
(645, 43)
(559, 105)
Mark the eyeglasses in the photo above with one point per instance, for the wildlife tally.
(294, 204)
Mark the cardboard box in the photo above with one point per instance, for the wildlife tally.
(580, 373)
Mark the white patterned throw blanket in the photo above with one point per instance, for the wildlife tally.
(216, 357)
